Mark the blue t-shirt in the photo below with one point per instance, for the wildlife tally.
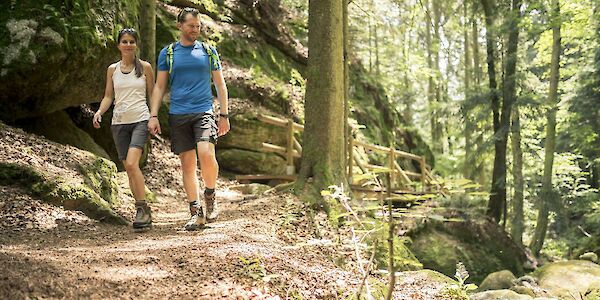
(190, 78)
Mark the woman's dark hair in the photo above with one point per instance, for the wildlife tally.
(186, 11)
(138, 65)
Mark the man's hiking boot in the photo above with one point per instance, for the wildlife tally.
(143, 215)
(212, 210)
(197, 219)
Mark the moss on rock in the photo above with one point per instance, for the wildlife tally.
(70, 195)
(100, 175)
(498, 281)
(245, 161)
(566, 278)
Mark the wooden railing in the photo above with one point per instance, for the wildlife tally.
(293, 149)
(400, 178)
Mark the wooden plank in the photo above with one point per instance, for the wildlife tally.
(412, 174)
(297, 146)
(277, 149)
(278, 122)
(382, 149)
(402, 173)
(265, 177)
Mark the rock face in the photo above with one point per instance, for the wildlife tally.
(61, 175)
(565, 278)
(482, 246)
(46, 67)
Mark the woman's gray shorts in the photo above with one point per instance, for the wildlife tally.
(127, 136)
(189, 129)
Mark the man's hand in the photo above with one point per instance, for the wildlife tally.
(223, 126)
(154, 126)
(97, 120)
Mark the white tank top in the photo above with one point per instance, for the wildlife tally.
(130, 97)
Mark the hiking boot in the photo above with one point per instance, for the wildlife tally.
(143, 215)
(212, 210)
(197, 220)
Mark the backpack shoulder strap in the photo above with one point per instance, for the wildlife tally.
(213, 58)
(170, 50)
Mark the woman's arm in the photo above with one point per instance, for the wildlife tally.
(108, 97)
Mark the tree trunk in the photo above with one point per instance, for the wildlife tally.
(148, 31)
(517, 203)
(475, 36)
(542, 222)
(323, 155)
(430, 86)
(497, 191)
(347, 133)
(439, 125)
(466, 107)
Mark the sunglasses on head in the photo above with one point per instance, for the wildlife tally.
(184, 12)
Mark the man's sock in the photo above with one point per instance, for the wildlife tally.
(208, 191)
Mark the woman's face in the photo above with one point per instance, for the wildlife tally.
(127, 44)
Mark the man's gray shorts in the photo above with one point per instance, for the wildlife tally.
(189, 129)
(127, 136)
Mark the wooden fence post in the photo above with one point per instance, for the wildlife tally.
(290, 170)
(423, 170)
(350, 157)
(392, 166)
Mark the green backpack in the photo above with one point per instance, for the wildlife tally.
(213, 59)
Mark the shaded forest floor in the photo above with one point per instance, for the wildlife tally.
(262, 247)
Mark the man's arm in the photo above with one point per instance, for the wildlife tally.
(162, 78)
(219, 82)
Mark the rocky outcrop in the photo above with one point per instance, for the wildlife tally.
(54, 55)
(61, 175)
(498, 281)
(481, 245)
(566, 278)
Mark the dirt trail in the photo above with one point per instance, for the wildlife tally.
(251, 252)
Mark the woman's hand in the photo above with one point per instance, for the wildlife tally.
(97, 120)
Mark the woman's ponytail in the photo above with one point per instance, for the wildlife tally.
(139, 70)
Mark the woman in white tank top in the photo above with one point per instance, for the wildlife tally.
(131, 80)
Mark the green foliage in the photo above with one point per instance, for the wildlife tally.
(461, 290)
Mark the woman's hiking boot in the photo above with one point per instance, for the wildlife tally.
(212, 210)
(197, 219)
(143, 215)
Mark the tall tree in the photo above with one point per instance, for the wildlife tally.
(323, 151)
(547, 194)
(466, 108)
(148, 31)
(516, 229)
(497, 202)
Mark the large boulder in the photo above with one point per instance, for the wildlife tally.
(481, 245)
(566, 278)
(55, 53)
(498, 281)
(61, 175)
(248, 162)
(500, 295)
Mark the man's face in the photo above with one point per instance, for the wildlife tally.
(190, 28)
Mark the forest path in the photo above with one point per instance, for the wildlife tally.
(260, 248)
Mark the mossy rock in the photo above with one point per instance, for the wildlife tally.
(500, 295)
(73, 196)
(523, 290)
(100, 175)
(249, 162)
(482, 246)
(498, 281)
(566, 278)
(248, 133)
(59, 127)
(76, 37)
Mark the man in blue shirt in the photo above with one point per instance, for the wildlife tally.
(188, 66)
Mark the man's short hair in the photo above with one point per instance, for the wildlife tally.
(186, 11)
